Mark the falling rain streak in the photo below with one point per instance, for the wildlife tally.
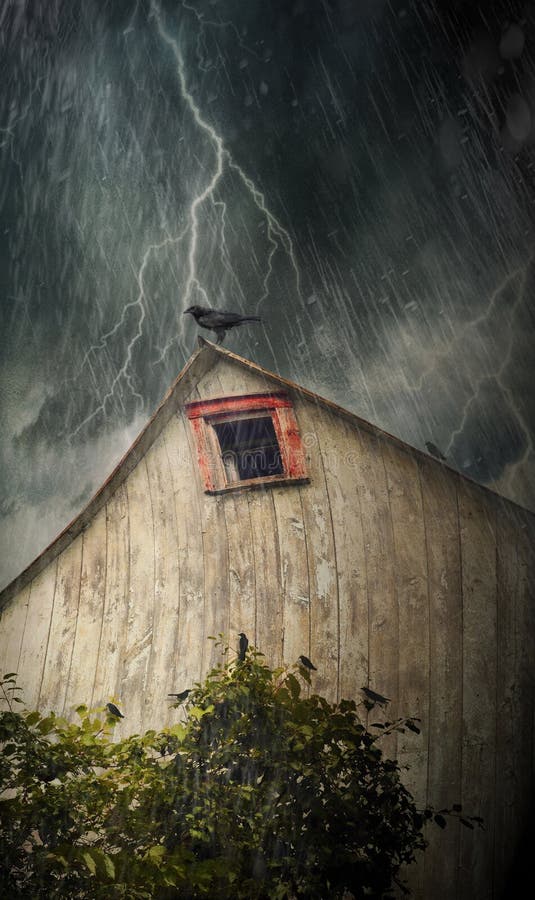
(360, 175)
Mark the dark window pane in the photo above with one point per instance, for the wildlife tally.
(249, 448)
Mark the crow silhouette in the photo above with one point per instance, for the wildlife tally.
(113, 711)
(304, 660)
(181, 696)
(218, 320)
(244, 643)
(374, 697)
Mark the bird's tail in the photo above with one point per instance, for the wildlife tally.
(250, 319)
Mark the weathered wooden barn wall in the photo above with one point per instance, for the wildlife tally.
(387, 569)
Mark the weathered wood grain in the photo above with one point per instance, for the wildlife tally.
(478, 556)
(524, 689)
(111, 649)
(381, 582)
(83, 664)
(294, 575)
(166, 587)
(509, 731)
(62, 629)
(185, 483)
(321, 561)
(267, 575)
(410, 561)
(36, 632)
(135, 663)
(242, 606)
(340, 452)
(12, 623)
(442, 733)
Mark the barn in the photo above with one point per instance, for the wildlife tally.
(250, 504)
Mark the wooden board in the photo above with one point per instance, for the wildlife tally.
(166, 588)
(321, 559)
(83, 663)
(36, 632)
(478, 556)
(267, 575)
(12, 623)
(443, 730)
(135, 662)
(294, 581)
(340, 453)
(383, 617)
(242, 606)
(510, 733)
(185, 485)
(410, 560)
(62, 629)
(111, 649)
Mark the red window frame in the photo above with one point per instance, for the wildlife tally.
(204, 414)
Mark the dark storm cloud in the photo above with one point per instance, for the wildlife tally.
(361, 174)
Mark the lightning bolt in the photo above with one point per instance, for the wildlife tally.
(277, 235)
(124, 372)
(187, 242)
(498, 376)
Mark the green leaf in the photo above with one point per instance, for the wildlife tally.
(156, 854)
(109, 866)
(9, 675)
(440, 820)
(466, 823)
(178, 731)
(32, 717)
(90, 862)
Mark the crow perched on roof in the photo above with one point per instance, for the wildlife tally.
(218, 320)
(304, 660)
(244, 643)
(113, 711)
(433, 449)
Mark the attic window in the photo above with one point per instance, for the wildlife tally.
(247, 441)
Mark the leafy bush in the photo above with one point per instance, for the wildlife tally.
(263, 792)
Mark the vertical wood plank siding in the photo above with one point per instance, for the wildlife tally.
(386, 569)
(443, 731)
(478, 761)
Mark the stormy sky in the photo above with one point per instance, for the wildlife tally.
(361, 173)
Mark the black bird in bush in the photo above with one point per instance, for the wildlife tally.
(304, 660)
(244, 643)
(433, 450)
(113, 711)
(218, 320)
(374, 697)
(180, 697)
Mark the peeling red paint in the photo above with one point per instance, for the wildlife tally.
(277, 404)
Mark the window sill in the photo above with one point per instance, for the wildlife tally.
(258, 483)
